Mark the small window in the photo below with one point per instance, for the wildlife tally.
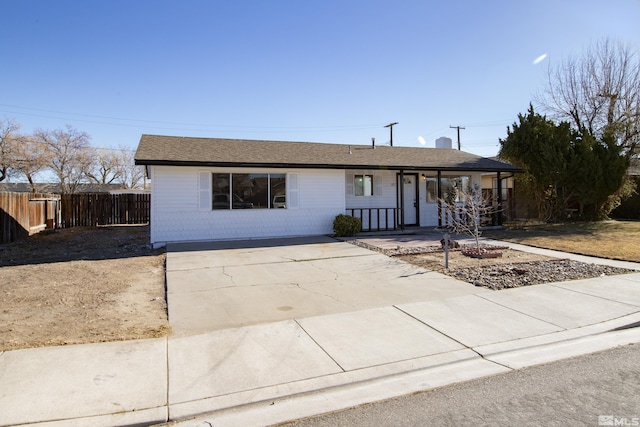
(363, 185)
(278, 190)
(221, 186)
(432, 189)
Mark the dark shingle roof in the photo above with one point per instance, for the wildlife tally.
(188, 151)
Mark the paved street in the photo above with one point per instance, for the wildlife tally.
(572, 392)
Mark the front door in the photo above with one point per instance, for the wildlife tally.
(410, 189)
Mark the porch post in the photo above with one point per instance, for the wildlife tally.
(439, 198)
(499, 199)
(401, 199)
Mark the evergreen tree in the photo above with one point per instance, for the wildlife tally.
(565, 169)
(540, 148)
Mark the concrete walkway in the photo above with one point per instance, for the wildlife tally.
(279, 330)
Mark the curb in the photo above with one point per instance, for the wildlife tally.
(308, 398)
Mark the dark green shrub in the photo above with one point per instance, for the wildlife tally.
(345, 225)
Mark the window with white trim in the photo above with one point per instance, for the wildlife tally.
(363, 185)
(248, 191)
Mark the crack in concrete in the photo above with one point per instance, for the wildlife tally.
(414, 274)
(335, 274)
(323, 295)
(230, 276)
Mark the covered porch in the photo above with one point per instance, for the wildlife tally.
(393, 200)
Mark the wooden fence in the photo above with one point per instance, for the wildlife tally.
(23, 214)
(80, 210)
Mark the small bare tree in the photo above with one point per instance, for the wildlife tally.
(467, 215)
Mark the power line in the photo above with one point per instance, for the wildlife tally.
(492, 123)
(110, 120)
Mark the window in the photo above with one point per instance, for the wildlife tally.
(221, 186)
(363, 185)
(432, 189)
(278, 190)
(248, 191)
(452, 185)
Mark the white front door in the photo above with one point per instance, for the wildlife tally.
(410, 206)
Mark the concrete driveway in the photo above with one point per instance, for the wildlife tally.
(219, 285)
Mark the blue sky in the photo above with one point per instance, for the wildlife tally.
(318, 71)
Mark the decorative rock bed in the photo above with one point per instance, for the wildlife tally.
(508, 275)
(532, 273)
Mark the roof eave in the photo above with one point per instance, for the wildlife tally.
(512, 169)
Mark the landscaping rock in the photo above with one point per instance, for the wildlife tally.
(532, 273)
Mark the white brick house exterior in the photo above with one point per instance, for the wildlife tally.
(318, 182)
(177, 216)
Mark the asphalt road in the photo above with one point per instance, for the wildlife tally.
(575, 392)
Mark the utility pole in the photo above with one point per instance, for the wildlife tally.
(457, 127)
(390, 126)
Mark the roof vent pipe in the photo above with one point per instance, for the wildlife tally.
(373, 143)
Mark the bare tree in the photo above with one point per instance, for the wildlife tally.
(131, 175)
(471, 210)
(31, 157)
(70, 155)
(105, 168)
(598, 92)
(9, 140)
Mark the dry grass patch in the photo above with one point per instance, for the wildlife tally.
(605, 239)
(81, 285)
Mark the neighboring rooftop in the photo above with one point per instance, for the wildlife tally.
(25, 187)
(189, 151)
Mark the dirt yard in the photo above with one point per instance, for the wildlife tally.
(81, 285)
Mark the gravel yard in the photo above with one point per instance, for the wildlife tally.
(512, 269)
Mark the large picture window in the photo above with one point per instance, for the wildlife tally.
(363, 185)
(249, 191)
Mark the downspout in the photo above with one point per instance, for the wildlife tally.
(439, 198)
(499, 199)
(401, 188)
